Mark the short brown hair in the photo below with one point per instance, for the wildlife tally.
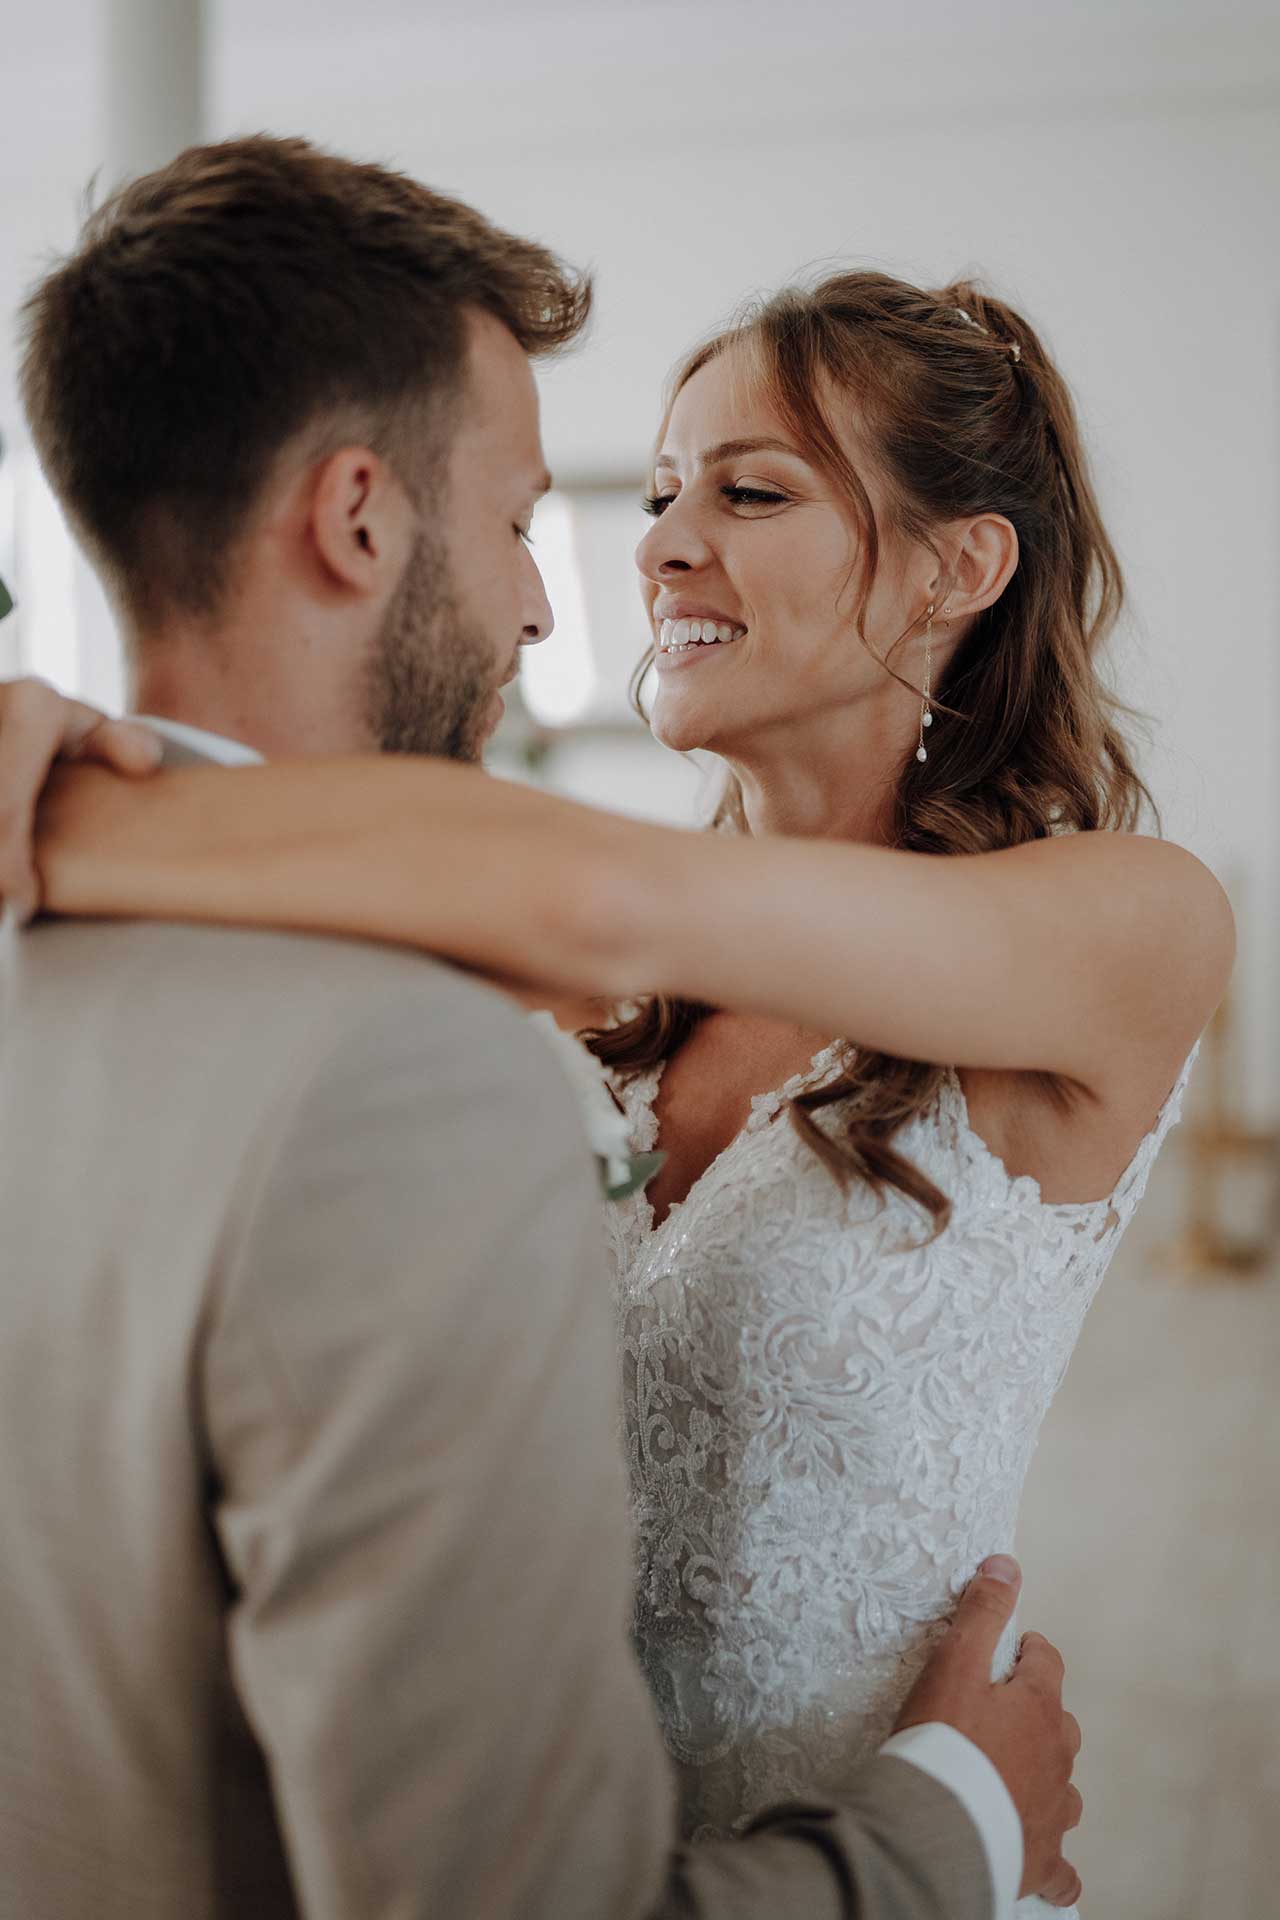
(214, 310)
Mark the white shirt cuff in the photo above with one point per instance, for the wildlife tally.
(955, 1762)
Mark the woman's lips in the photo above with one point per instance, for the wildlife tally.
(677, 661)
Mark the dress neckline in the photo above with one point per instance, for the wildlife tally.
(951, 1105)
(764, 1108)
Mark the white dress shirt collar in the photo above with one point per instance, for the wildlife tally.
(199, 745)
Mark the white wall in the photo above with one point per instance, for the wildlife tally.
(1113, 167)
(52, 122)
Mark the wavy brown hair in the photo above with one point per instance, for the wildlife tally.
(963, 412)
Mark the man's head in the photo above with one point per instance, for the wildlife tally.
(286, 402)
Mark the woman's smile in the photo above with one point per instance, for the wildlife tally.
(680, 637)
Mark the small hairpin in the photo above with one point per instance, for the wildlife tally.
(978, 327)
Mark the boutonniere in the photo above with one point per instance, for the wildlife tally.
(622, 1172)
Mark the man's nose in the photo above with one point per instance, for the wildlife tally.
(540, 621)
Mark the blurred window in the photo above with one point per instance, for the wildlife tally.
(572, 726)
(38, 561)
(584, 542)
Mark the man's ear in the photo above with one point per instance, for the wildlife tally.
(986, 559)
(361, 522)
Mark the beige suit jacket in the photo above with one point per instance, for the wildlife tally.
(314, 1569)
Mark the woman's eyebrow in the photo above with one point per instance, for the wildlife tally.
(734, 450)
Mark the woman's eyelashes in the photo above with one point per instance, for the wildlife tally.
(657, 503)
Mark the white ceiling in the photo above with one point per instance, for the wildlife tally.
(56, 23)
(494, 76)
(493, 73)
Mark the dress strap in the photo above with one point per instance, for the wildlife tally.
(952, 1110)
(1135, 1174)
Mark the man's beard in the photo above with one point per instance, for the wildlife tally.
(430, 677)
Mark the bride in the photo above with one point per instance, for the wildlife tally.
(910, 1025)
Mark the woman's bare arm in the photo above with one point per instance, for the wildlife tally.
(1077, 955)
(419, 852)
(1086, 955)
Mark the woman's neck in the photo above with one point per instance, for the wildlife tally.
(838, 782)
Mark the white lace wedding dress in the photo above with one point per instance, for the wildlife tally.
(828, 1427)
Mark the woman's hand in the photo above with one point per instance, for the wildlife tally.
(39, 726)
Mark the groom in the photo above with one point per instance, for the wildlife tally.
(316, 1576)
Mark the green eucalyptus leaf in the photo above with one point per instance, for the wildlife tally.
(643, 1168)
(6, 600)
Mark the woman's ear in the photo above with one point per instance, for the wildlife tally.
(361, 522)
(986, 559)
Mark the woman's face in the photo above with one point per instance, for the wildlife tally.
(752, 544)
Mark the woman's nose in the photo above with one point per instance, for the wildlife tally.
(672, 545)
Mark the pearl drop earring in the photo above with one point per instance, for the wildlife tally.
(926, 710)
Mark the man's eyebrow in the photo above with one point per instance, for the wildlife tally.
(733, 450)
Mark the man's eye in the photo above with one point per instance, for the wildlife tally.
(753, 497)
(656, 504)
(524, 534)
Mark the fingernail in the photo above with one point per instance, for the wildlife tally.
(1001, 1567)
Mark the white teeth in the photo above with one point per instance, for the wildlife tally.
(681, 636)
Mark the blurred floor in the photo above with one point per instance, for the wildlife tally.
(1151, 1547)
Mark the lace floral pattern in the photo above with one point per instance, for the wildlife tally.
(828, 1426)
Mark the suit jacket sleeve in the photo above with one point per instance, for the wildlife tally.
(408, 1389)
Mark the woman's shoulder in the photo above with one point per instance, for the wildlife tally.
(1158, 909)
(1159, 935)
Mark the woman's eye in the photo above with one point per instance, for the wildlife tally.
(524, 534)
(656, 504)
(753, 497)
